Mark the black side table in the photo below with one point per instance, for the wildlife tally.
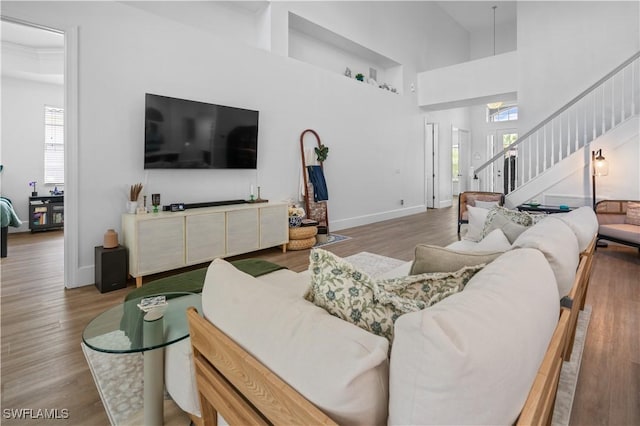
(110, 268)
(540, 208)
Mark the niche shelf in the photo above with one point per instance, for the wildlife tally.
(321, 47)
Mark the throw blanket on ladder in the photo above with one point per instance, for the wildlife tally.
(316, 176)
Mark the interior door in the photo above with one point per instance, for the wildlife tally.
(505, 170)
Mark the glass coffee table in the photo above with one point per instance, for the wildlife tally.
(125, 328)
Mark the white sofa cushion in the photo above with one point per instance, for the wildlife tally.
(494, 241)
(584, 224)
(472, 358)
(339, 367)
(558, 243)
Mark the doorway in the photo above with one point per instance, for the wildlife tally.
(41, 87)
(460, 161)
(504, 171)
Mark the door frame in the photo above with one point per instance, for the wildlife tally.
(431, 169)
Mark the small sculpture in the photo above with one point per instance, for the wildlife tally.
(347, 72)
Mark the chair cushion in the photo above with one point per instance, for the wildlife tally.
(472, 358)
(621, 231)
(584, 224)
(297, 340)
(558, 243)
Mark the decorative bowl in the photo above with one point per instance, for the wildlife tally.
(295, 221)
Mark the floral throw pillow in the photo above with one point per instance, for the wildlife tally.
(511, 222)
(371, 304)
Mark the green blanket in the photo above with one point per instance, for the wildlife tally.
(191, 282)
(8, 216)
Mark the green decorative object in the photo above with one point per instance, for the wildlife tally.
(359, 77)
(322, 152)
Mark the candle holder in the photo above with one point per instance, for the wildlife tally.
(155, 201)
(260, 199)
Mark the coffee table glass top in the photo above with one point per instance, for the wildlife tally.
(120, 329)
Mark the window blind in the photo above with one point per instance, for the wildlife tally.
(53, 145)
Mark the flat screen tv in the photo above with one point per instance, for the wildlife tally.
(183, 134)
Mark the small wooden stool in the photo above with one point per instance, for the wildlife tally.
(301, 238)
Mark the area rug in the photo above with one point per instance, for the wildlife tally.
(570, 371)
(373, 264)
(332, 239)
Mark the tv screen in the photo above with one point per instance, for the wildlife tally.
(183, 134)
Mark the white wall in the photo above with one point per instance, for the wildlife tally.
(23, 104)
(481, 42)
(124, 52)
(566, 46)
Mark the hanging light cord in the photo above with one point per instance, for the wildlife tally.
(494, 29)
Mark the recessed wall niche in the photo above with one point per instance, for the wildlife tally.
(321, 47)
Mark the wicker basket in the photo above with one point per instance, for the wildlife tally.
(303, 232)
(301, 244)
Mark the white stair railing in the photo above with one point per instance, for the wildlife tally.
(604, 105)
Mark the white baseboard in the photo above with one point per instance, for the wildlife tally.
(445, 203)
(85, 276)
(373, 218)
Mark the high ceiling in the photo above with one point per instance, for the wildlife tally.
(27, 36)
(478, 15)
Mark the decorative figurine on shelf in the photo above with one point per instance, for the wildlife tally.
(32, 184)
(347, 72)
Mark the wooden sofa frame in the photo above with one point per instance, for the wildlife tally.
(233, 383)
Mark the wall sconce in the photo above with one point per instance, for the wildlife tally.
(600, 168)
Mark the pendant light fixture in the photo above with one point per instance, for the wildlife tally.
(494, 105)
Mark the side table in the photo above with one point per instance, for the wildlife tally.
(146, 332)
(302, 237)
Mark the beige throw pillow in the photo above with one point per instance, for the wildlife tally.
(633, 214)
(430, 258)
(374, 305)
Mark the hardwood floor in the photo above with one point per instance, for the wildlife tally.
(42, 365)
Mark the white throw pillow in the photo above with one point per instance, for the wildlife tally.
(477, 217)
(472, 358)
(558, 243)
(339, 367)
(486, 204)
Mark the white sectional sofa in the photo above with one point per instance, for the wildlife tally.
(469, 359)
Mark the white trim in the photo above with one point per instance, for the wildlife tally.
(431, 159)
(71, 267)
(376, 217)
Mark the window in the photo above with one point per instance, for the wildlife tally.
(53, 145)
(502, 113)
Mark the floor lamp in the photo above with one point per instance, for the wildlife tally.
(600, 168)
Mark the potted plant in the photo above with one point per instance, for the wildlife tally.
(32, 184)
(295, 216)
(359, 77)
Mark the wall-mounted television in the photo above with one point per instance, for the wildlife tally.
(185, 134)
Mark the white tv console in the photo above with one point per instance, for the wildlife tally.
(162, 241)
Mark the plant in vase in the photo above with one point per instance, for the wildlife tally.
(295, 216)
(359, 77)
(32, 184)
(134, 193)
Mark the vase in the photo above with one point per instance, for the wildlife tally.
(132, 206)
(295, 221)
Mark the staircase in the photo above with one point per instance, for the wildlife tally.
(606, 112)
